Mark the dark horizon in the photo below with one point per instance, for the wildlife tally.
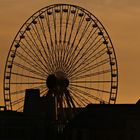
(120, 18)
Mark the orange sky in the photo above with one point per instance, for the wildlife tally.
(121, 19)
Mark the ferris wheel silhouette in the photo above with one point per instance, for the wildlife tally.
(64, 51)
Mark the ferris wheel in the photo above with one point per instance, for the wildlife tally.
(64, 49)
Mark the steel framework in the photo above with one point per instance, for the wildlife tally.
(65, 51)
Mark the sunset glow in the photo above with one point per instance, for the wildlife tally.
(120, 18)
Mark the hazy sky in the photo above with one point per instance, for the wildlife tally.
(120, 17)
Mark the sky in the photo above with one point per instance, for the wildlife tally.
(120, 18)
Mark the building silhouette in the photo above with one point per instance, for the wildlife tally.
(105, 122)
(94, 122)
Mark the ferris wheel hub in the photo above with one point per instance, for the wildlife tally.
(57, 81)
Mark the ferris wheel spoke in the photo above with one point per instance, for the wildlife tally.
(92, 74)
(91, 81)
(90, 36)
(81, 95)
(30, 63)
(89, 88)
(72, 48)
(22, 98)
(69, 101)
(88, 67)
(36, 46)
(43, 91)
(82, 47)
(60, 39)
(91, 96)
(92, 44)
(69, 38)
(55, 34)
(37, 52)
(60, 28)
(15, 102)
(56, 51)
(42, 45)
(67, 25)
(18, 92)
(20, 108)
(30, 42)
(88, 52)
(24, 58)
(90, 58)
(81, 99)
(53, 53)
(66, 32)
(55, 28)
(49, 29)
(64, 103)
(94, 58)
(24, 75)
(74, 60)
(28, 69)
(32, 53)
(45, 37)
(72, 27)
(86, 64)
(74, 98)
(28, 51)
(28, 83)
(23, 90)
(76, 35)
(69, 97)
(72, 56)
